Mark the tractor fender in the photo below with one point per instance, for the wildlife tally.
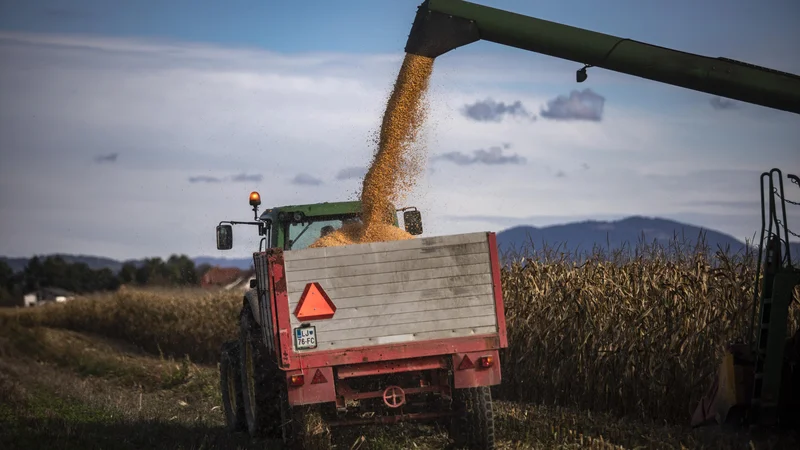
(251, 300)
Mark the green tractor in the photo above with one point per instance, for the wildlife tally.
(296, 227)
(292, 227)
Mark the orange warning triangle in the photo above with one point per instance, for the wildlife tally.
(314, 304)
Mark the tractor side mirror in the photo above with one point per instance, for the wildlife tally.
(413, 222)
(224, 237)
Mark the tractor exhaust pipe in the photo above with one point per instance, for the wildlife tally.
(444, 25)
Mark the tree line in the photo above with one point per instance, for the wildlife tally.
(79, 278)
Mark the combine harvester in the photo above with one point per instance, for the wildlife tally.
(758, 383)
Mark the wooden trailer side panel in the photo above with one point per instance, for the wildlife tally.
(422, 289)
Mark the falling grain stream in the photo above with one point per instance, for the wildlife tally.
(397, 163)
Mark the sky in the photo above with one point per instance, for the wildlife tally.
(130, 129)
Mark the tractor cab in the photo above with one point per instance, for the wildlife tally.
(295, 227)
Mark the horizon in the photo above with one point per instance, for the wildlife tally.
(182, 109)
(226, 255)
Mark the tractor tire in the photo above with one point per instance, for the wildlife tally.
(303, 427)
(472, 426)
(230, 383)
(257, 373)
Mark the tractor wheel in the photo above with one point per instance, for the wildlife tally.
(258, 389)
(230, 382)
(303, 427)
(473, 425)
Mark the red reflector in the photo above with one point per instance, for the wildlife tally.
(466, 363)
(318, 378)
(486, 361)
(314, 304)
(296, 380)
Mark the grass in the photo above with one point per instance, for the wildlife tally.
(613, 352)
(126, 401)
(63, 389)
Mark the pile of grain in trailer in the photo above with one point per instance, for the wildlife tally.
(397, 163)
(351, 233)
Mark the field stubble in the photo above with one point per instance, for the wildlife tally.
(631, 337)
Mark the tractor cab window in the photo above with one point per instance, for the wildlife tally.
(300, 236)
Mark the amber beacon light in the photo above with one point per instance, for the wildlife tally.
(255, 198)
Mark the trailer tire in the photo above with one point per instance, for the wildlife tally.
(257, 373)
(230, 382)
(473, 423)
(303, 427)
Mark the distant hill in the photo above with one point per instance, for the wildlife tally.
(94, 262)
(581, 236)
(613, 235)
(99, 262)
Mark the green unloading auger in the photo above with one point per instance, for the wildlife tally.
(444, 25)
(755, 382)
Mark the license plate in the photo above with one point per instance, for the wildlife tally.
(305, 337)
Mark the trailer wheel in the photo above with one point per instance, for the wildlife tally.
(230, 382)
(303, 427)
(473, 425)
(257, 388)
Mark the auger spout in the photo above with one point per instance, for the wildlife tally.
(444, 25)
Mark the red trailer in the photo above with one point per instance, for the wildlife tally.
(369, 333)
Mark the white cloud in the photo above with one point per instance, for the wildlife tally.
(172, 111)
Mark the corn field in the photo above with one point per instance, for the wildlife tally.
(174, 323)
(636, 335)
